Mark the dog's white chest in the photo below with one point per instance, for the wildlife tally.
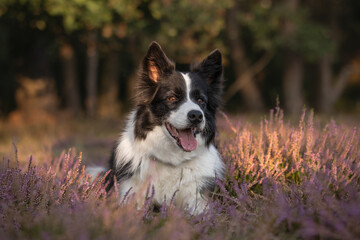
(182, 183)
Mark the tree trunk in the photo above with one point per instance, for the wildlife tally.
(325, 100)
(92, 72)
(330, 92)
(293, 68)
(35, 95)
(71, 88)
(244, 79)
(292, 82)
(108, 102)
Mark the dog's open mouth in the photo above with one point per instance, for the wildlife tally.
(185, 138)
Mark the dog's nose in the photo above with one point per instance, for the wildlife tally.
(195, 116)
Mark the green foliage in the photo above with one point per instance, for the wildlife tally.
(90, 14)
(196, 25)
(186, 29)
(266, 23)
(310, 39)
(313, 41)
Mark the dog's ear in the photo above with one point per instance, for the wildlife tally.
(210, 68)
(156, 64)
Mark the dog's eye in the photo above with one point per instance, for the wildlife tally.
(172, 99)
(200, 101)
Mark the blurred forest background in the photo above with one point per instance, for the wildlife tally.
(80, 57)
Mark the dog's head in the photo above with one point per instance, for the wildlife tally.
(182, 103)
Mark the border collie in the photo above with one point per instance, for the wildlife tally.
(167, 143)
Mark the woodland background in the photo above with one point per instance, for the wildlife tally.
(67, 70)
(80, 57)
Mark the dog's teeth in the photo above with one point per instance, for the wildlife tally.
(175, 130)
(194, 131)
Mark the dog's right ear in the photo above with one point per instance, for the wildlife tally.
(156, 64)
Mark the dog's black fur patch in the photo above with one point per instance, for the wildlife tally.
(120, 173)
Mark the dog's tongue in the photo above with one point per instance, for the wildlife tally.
(187, 140)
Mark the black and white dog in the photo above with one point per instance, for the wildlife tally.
(168, 139)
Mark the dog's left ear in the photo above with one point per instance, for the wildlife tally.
(156, 64)
(210, 68)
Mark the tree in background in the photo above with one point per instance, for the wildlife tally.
(242, 17)
(293, 60)
(258, 31)
(335, 67)
(90, 17)
(23, 23)
(265, 43)
(189, 30)
(305, 41)
(70, 77)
